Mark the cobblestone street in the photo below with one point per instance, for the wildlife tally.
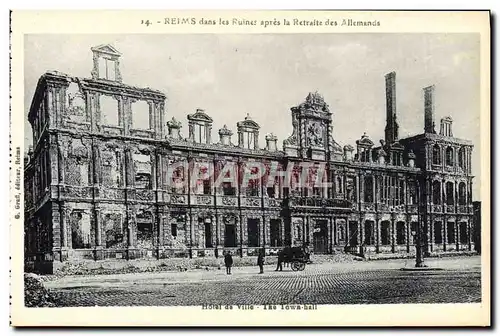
(458, 280)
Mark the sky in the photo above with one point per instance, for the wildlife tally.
(264, 75)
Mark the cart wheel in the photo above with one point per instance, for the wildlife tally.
(302, 266)
(295, 265)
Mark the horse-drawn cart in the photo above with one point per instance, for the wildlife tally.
(295, 257)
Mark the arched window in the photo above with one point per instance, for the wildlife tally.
(436, 192)
(436, 154)
(450, 193)
(449, 156)
(461, 193)
(461, 158)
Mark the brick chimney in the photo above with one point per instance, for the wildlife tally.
(391, 128)
(429, 124)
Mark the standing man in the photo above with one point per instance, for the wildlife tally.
(281, 255)
(307, 252)
(260, 260)
(228, 261)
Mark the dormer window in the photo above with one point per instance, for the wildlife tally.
(106, 63)
(248, 133)
(200, 127)
(107, 69)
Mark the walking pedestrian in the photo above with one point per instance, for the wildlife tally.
(260, 260)
(228, 261)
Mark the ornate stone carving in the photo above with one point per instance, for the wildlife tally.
(206, 200)
(253, 201)
(228, 200)
(178, 199)
(315, 134)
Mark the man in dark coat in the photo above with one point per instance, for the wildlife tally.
(228, 261)
(260, 260)
(281, 257)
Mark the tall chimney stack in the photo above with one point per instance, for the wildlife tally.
(391, 128)
(429, 124)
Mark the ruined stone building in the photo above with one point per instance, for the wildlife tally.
(97, 179)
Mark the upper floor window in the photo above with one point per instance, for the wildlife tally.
(449, 156)
(368, 189)
(142, 163)
(436, 192)
(107, 68)
(109, 110)
(228, 189)
(339, 185)
(462, 194)
(461, 157)
(436, 154)
(141, 115)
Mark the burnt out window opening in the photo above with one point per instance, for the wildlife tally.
(368, 194)
(141, 115)
(436, 155)
(109, 110)
(253, 232)
(228, 189)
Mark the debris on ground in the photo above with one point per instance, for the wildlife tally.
(35, 294)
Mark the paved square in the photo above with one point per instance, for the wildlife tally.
(360, 283)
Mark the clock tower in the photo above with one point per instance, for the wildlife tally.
(312, 130)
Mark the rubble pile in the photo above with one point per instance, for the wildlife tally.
(35, 294)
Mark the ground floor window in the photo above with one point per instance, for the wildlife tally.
(144, 229)
(438, 233)
(385, 233)
(114, 230)
(353, 233)
(253, 232)
(464, 237)
(400, 233)
(369, 233)
(80, 230)
(450, 232)
(208, 235)
(414, 232)
(275, 239)
(230, 235)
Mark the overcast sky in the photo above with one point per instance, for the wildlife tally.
(264, 75)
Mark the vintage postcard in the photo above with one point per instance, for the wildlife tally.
(250, 168)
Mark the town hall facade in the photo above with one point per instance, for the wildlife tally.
(98, 179)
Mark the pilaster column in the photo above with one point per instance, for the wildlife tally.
(282, 231)
(266, 231)
(244, 231)
(310, 230)
(161, 227)
(64, 226)
(219, 239)
(189, 227)
(469, 233)
(444, 228)
(56, 227)
(377, 234)
(361, 228)
(393, 233)
(131, 228)
(167, 229)
(98, 226)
